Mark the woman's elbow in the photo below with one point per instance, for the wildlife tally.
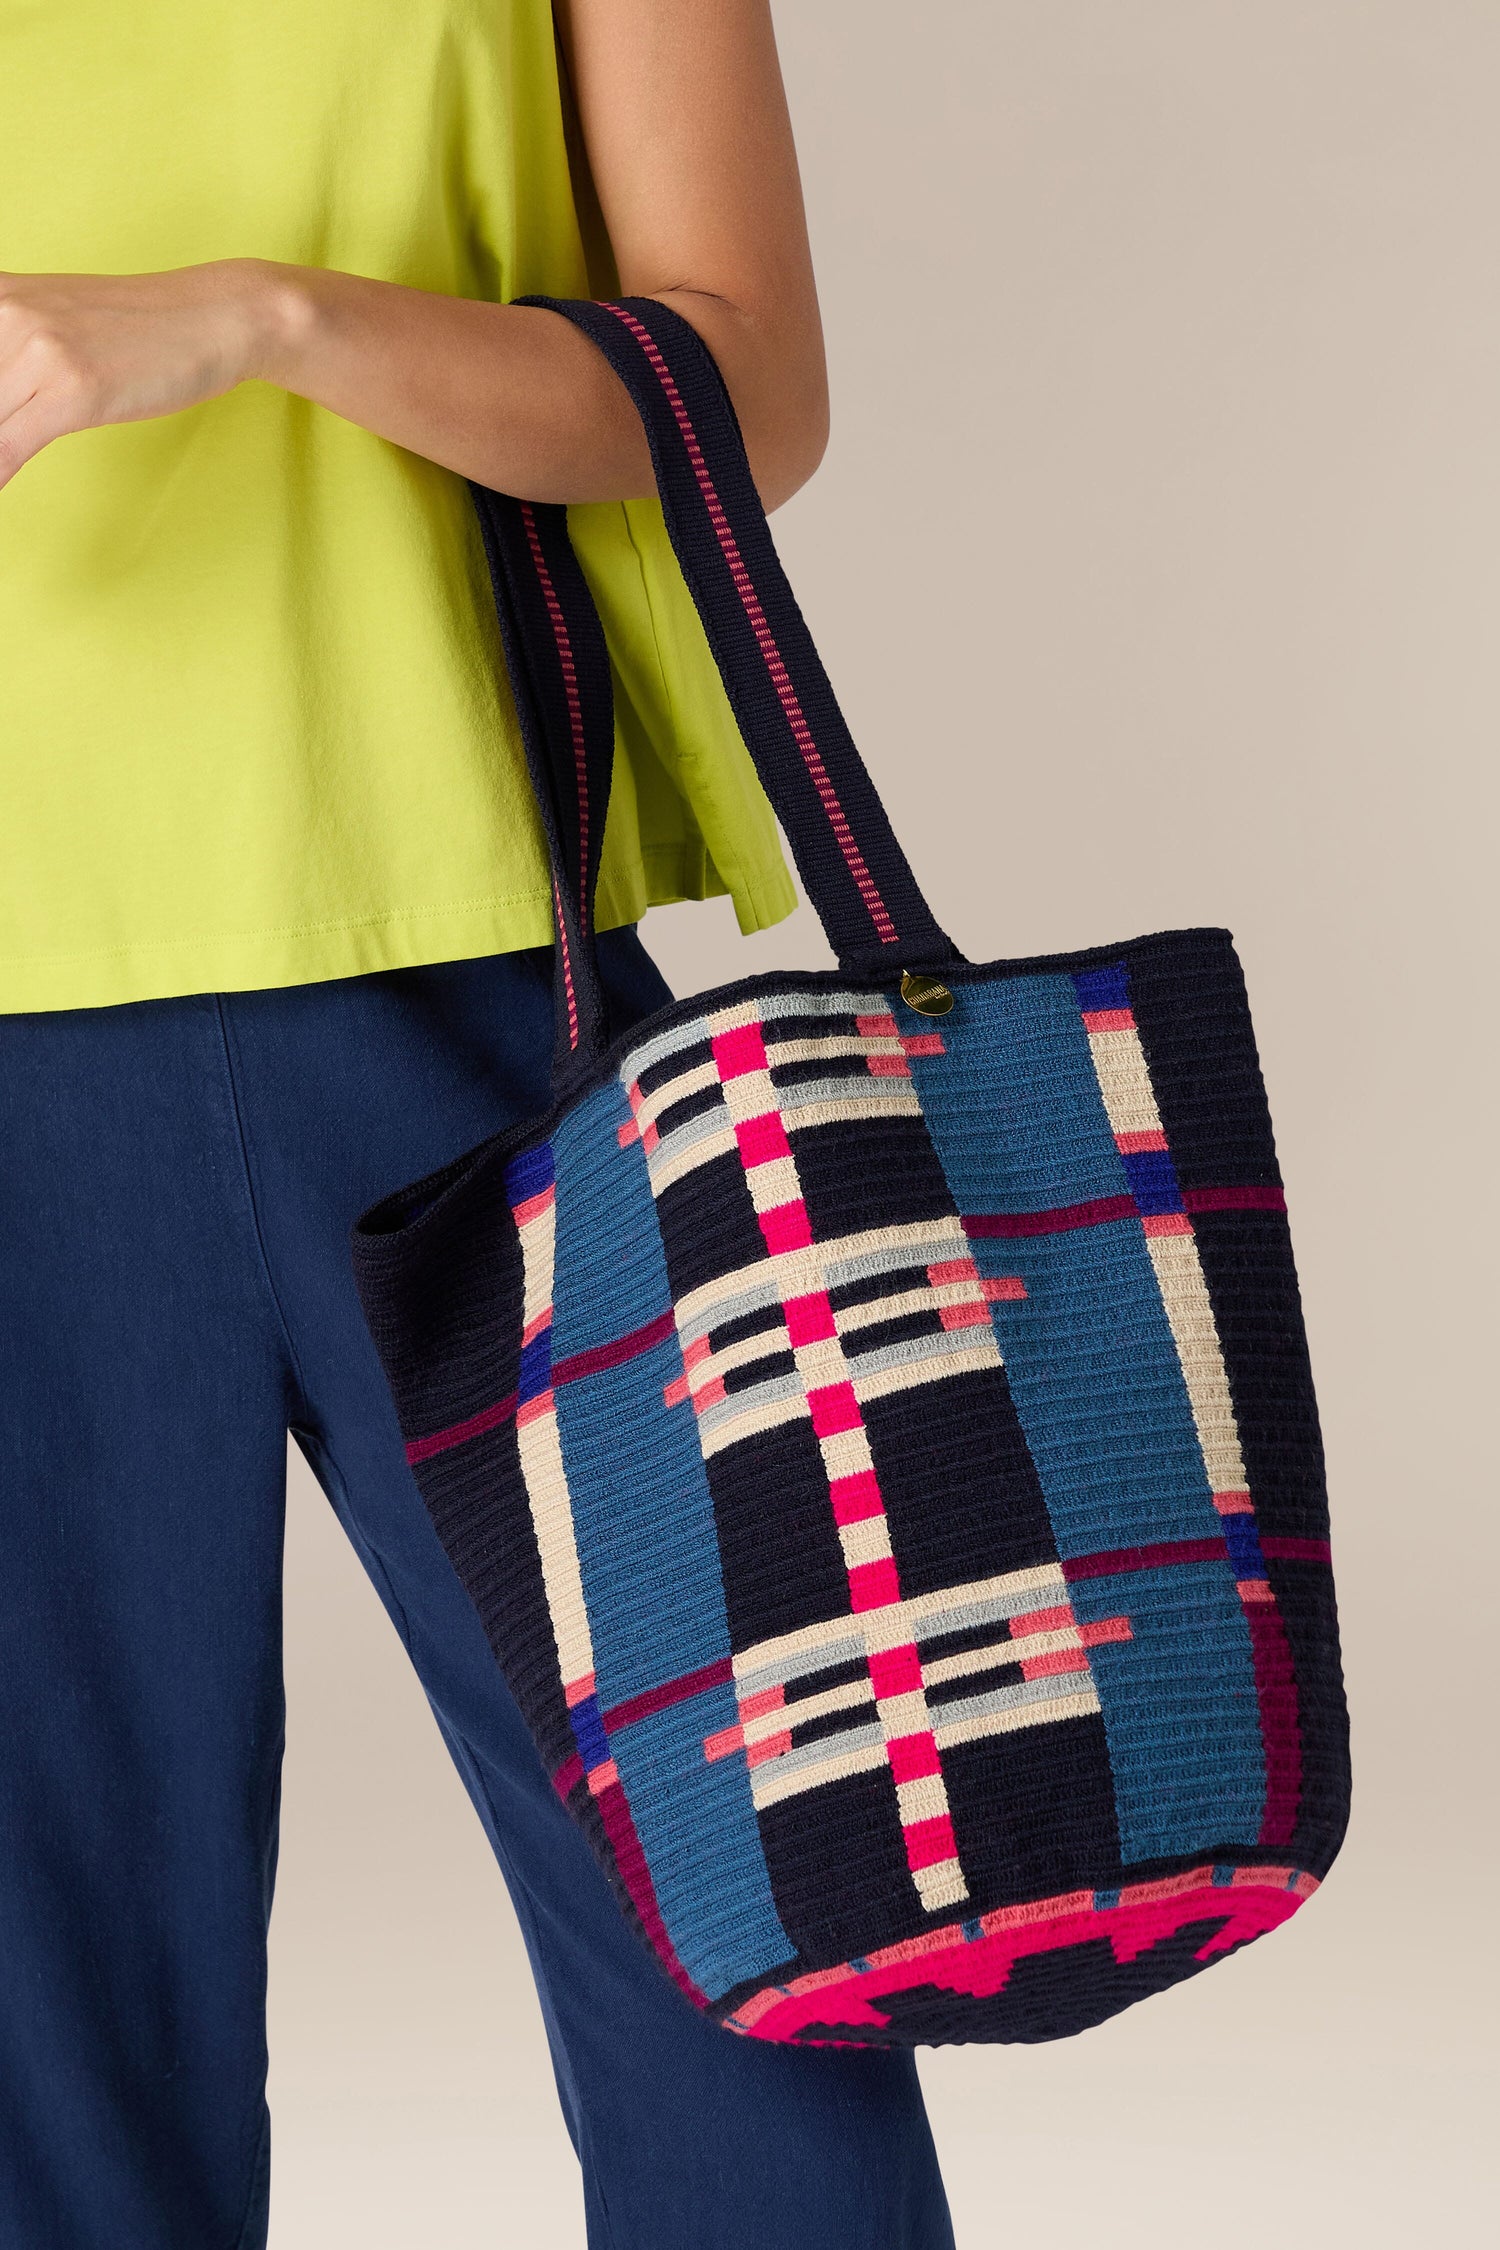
(772, 361)
(780, 389)
(783, 457)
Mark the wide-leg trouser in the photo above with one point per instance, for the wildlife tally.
(177, 1180)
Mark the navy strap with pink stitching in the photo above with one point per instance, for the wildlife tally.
(559, 671)
(855, 872)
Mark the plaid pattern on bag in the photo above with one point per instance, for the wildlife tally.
(882, 1451)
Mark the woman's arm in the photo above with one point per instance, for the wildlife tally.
(685, 123)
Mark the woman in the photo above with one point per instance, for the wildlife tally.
(273, 930)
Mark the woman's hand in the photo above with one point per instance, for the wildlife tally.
(691, 152)
(78, 350)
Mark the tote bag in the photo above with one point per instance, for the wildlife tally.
(870, 1410)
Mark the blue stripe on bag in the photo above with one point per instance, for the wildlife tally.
(698, 1826)
(1179, 1716)
(1098, 1387)
(1025, 1069)
(611, 1273)
(643, 1518)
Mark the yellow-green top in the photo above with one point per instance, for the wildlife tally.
(253, 722)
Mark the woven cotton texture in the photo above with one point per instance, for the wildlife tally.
(884, 1458)
(880, 1445)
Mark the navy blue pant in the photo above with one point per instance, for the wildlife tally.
(177, 1180)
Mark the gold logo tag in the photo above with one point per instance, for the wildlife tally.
(925, 994)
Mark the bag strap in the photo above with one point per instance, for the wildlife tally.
(558, 663)
(854, 871)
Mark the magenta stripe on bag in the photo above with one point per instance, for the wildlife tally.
(488, 1418)
(1153, 1557)
(1011, 1226)
(598, 1357)
(651, 1700)
(1234, 1199)
(594, 1361)
(1167, 1551)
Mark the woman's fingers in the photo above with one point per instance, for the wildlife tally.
(36, 422)
(81, 350)
(41, 394)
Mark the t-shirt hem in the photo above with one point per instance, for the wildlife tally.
(405, 938)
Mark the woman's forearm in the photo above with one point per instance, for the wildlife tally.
(512, 396)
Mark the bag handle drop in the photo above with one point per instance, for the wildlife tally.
(855, 872)
(558, 663)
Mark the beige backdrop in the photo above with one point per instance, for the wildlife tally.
(1156, 557)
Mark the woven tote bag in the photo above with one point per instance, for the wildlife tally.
(870, 1411)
